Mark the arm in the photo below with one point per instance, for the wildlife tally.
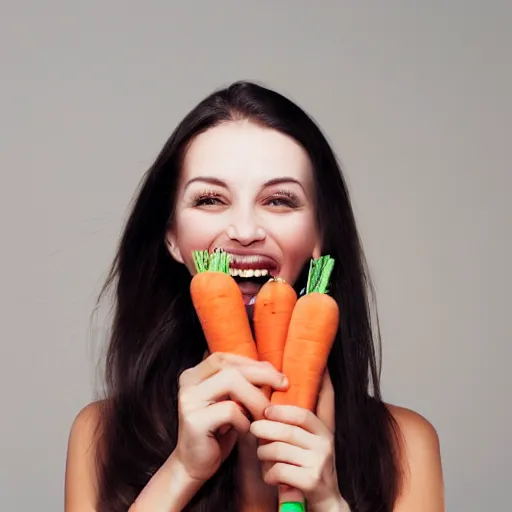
(80, 481)
(169, 490)
(422, 486)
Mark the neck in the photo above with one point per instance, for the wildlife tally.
(256, 495)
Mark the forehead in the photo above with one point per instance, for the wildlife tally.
(242, 149)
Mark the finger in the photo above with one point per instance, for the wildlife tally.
(238, 387)
(325, 409)
(299, 417)
(291, 434)
(210, 366)
(258, 374)
(296, 477)
(215, 416)
(205, 369)
(283, 452)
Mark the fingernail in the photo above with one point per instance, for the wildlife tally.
(284, 381)
(268, 411)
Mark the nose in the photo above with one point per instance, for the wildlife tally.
(245, 229)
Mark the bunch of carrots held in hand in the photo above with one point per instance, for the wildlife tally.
(295, 335)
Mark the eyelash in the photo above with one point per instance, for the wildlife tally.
(285, 197)
(202, 198)
(288, 198)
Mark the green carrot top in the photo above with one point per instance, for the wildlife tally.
(218, 261)
(320, 270)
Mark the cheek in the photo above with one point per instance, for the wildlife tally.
(297, 241)
(195, 232)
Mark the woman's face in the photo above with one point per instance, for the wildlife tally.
(248, 190)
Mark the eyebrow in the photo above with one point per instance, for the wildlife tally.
(215, 181)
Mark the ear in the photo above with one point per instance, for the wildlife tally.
(317, 249)
(172, 246)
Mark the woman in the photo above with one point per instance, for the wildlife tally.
(247, 171)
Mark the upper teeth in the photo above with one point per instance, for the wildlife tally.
(248, 273)
(247, 259)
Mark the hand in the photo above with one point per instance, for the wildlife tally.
(299, 450)
(210, 419)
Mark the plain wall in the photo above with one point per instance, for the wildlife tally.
(415, 98)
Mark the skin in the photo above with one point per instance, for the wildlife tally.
(245, 208)
(239, 207)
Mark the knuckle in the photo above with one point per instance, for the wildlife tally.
(291, 434)
(327, 445)
(232, 409)
(216, 359)
(303, 416)
(184, 377)
(185, 399)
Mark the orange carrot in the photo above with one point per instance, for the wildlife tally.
(273, 309)
(311, 334)
(220, 306)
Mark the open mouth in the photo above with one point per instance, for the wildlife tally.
(251, 273)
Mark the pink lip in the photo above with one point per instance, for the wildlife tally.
(267, 262)
(242, 252)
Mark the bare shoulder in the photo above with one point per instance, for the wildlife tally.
(417, 431)
(80, 481)
(420, 461)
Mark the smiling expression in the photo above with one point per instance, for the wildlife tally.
(249, 190)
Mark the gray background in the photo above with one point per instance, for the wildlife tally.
(414, 97)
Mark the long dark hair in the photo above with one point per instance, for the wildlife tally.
(156, 335)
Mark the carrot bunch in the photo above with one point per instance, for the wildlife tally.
(295, 335)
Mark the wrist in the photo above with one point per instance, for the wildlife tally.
(181, 478)
(169, 490)
(333, 504)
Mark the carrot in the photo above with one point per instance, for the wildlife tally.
(311, 333)
(220, 307)
(273, 309)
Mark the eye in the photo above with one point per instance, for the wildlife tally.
(283, 199)
(279, 201)
(208, 199)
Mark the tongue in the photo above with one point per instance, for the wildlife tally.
(249, 289)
